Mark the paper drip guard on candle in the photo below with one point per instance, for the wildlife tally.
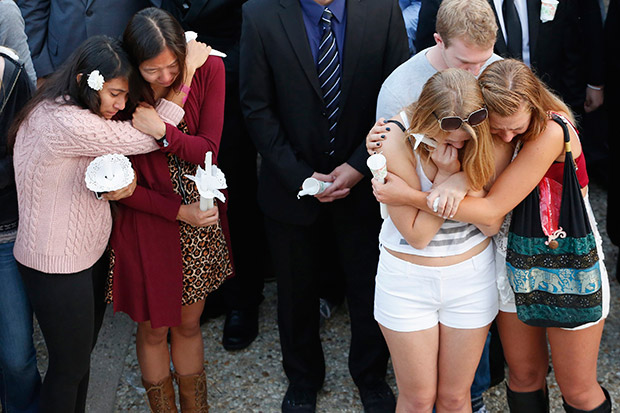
(107, 173)
(312, 186)
(189, 36)
(378, 166)
(209, 181)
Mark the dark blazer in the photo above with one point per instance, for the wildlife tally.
(15, 91)
(426, 24)
(55, 28)
(217, 22)
(283, 105)
(612, 102)
(566, 53)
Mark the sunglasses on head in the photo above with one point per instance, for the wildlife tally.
(451, 123)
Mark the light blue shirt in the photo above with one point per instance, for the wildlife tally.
(411, 15)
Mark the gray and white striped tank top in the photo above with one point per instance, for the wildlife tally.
(453, 238)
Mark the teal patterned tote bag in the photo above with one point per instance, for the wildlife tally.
(555, 273)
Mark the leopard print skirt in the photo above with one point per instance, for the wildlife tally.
(206, 263)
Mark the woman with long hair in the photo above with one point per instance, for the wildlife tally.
(520, 115)
(64, 228)
(435, 288)
(168, 254)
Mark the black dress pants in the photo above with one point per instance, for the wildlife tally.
(300, 254)
(69, 309)
(238, 160)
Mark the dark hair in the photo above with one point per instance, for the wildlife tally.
(149, 32)
(100, 53)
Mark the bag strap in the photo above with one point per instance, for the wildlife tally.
(14, 69)
(568, 157)
(563, 122)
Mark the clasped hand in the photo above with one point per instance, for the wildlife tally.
(343, 178)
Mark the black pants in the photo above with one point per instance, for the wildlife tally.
(238, 160)
(299, 256)
(70, 309)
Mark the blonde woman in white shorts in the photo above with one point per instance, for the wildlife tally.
(435, 291)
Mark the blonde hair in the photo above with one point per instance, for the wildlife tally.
(473, 20)
(508, 84)
(448, 93)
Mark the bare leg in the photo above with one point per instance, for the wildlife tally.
(186, 341)
(525, 350)
(575, 355)
(414, 357)
(152, 351)
(459, 355)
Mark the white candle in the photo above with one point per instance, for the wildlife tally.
(207, 203)
(313, 186)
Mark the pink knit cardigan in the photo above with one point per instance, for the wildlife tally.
(63, 228)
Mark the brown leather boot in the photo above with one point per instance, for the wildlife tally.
(193, 392)
(161, 396)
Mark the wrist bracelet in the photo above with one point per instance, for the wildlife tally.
(595, 87)
(184, 88)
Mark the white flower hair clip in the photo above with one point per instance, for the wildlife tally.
(95, 80)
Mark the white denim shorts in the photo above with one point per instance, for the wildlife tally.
(410, 297)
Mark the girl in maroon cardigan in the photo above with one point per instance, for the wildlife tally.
(168, 255)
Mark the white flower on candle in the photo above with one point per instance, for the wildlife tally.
(210, 180)
(95, 80)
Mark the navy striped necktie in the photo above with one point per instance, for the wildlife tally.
(328, 66)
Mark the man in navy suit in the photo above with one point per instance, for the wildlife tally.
(310, 72)
(55, 28)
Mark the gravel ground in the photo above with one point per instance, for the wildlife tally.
(252, 380)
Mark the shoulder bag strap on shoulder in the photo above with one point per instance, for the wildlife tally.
(13, 69)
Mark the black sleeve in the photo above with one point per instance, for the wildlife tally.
(21, 93)
(591, 22)
(259, 107)
(396, 52)
(426, 24)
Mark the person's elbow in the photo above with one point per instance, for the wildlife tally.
(491, 226)
(418, 242)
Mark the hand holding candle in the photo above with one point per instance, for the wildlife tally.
(312, 186)
(209, 181)
(378, 166)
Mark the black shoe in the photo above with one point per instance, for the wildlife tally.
(377, 398)
(240, 328)
(299, 400)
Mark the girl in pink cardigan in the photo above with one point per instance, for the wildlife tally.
(64, 228)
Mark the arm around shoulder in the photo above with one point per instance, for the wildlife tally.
(517, 181)
(205, 108)
(83, 133)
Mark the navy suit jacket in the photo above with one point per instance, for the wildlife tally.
(283, 104)
(55, 28)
